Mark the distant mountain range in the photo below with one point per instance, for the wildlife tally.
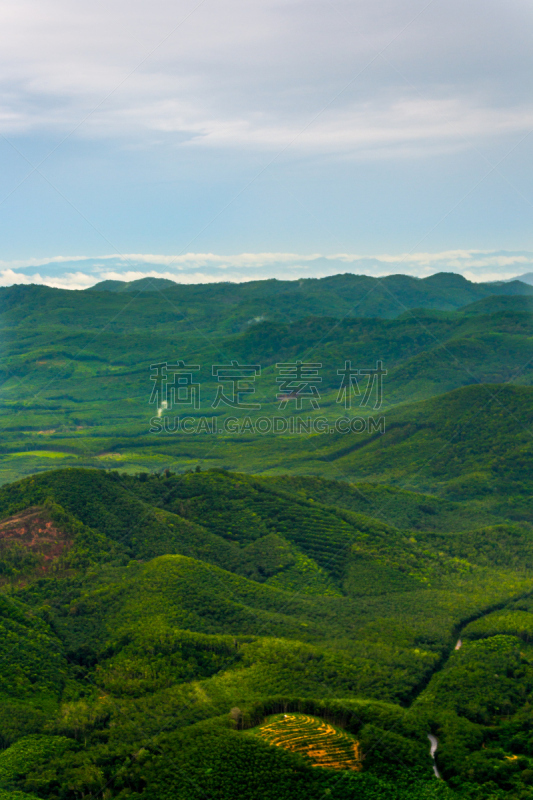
(141, 285)
(436, 281)
(80, 272)
(527, 277)
(338, 295)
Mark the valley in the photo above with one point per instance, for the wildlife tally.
(192, 616)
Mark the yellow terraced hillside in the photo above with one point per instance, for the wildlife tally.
(318, 740)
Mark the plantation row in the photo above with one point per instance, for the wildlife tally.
(318, 740)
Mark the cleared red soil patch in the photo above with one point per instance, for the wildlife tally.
(34, 530)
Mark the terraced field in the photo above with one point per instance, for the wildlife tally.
(318, 740)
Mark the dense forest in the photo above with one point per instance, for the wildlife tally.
(327, 615)
(161, 625)
(76, 378)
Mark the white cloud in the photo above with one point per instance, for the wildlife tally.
(40, 262)
(70, 280)
(190, 268)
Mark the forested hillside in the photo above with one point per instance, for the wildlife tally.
(338, 607)
(76, 380)
(158, 650)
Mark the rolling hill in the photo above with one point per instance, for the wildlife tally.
(188, 609)
(258, 614)
(76, 373)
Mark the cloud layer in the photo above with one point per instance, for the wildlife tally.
(302, 126)
(362, 78)
(81, 272)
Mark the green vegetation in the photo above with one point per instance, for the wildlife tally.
(267, 616)
(190, 608)
(76, 365)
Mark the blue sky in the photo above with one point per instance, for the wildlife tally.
(235, 140)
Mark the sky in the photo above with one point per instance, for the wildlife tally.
(209, 140)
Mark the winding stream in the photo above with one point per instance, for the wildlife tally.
(434, 742)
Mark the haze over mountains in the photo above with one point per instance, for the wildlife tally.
(82, 272)
(526, 278)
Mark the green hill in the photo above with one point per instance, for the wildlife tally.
(267, 615)
(389, 295)
(511, 304)
(140, 285)
(231, 305)
(471, 443)
(182, 598)
(76, 372)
